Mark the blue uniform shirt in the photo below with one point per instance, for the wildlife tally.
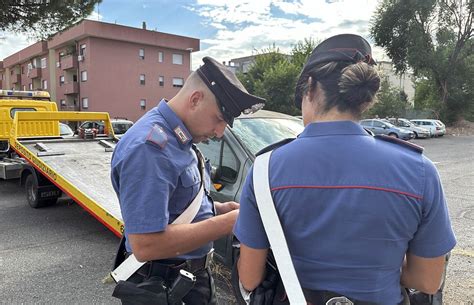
(155, 175)
(351, 206)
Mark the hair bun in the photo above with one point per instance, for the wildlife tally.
(359, 83)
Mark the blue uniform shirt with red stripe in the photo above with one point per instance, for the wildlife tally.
(155, 175)
(351, 206)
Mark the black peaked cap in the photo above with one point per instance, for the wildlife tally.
(344, 47)
(232, 97)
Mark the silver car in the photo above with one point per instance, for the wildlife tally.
(419, 131)
(380, 127)
(438, 129)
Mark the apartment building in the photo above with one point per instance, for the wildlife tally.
(97, 66)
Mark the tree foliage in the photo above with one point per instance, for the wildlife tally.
(273, 76)
(41, 18)
(391, 102)
(434, 38)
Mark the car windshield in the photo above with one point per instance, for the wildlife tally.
(258, 133)
(121, 128)
(65, 130)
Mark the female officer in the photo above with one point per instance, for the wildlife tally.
(362, 215)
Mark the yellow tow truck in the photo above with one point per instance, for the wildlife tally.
(49, 165)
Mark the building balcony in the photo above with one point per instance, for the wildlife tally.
(69, 108)
(35, 73)
(71, 88)
(16, 78)
(69, 62)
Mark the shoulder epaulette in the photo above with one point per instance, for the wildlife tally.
(406, 144)
(157, 136)
(274, 146)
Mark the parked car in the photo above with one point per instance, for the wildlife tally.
(437, 128)
(380, 127)
(120, 126)
(65, 130)
(419, 131)
(233, 155)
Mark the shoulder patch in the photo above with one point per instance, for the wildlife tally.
(406, 144)
(274, 146)
(157, 136)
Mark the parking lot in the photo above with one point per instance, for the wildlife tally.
(60, 254)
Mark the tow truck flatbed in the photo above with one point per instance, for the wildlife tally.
(78, 167)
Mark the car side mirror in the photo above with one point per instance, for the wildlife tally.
(222, 175)
(384, 126)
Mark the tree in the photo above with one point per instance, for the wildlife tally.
(391, 102)
(42, 18)
(434, 39)
(273, 76)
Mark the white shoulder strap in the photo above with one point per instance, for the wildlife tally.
(130, 265)
(276, 237)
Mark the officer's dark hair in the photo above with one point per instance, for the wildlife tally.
(351, 87)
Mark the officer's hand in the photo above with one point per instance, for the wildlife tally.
(226, 207)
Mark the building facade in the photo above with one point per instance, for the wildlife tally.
(403, 82)
(96, 66)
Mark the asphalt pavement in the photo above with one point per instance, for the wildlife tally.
(60, 254)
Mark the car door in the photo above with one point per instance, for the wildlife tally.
(227, 168)
(379, 128)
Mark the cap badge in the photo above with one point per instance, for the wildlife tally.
(213, 83)
(183, 138)
(253, 109)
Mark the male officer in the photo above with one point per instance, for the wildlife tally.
(155, 174)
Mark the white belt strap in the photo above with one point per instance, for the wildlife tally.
(130, 265)
(274, 231)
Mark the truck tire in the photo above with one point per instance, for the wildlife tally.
(31, 187)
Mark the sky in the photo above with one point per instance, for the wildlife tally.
(232, 29)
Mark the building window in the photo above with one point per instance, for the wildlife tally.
(141, 53)
(30, 86)
(61, 80)
(45, 84)
(143, 104)
(142, 79)
(83, 76)
(82, 50)
(85, 102)
(160, 56)
(22, 69)
(161, 81)
(178, 82)
(43, 63)
(24, 87)
(178, 59)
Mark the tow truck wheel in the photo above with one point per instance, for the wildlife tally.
(31, 186)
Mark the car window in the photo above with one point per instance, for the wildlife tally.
(211, 149)
(15, 110)
(230, 164)
(366, 123)
(65, 130)
(378, 124)
(258, 133)
(121, 128)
